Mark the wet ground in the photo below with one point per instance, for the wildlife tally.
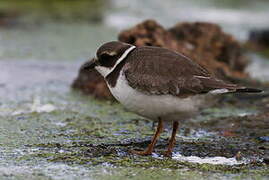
(48, 131)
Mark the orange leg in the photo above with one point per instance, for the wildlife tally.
(150, 148)
(172, 140)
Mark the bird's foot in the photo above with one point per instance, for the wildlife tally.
(167, 154)
(141, 153)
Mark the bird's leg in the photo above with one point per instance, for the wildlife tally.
(150, 147)
(172, 140)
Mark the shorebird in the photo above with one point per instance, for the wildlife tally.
(158, 84)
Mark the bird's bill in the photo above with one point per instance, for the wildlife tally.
(89, 64)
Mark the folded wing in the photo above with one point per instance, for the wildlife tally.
(160, 71)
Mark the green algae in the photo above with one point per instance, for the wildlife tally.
(89, 136)
(95, 141)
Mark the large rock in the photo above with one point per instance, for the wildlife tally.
(205, 43)
(91, 82)
(259, 39)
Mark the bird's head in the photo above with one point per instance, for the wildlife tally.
(108, 56)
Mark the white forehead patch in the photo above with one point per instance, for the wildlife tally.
(105, 71)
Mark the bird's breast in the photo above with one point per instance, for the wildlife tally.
(153, 106)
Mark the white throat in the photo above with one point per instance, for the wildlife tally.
(105, 71)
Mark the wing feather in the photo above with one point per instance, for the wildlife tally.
(157, 70)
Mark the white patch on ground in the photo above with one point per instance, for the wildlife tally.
(208, 160)
(60, 124)
(197, 134)
(242, 114)
(36, 106)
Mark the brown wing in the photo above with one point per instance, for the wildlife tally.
(157, 70)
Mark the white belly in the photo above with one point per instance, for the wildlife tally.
(168, 107)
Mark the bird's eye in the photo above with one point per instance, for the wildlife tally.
(105, 56)
(107, 60)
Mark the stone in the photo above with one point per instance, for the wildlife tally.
(259, 38)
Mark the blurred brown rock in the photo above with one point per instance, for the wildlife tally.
(91, 82)
(259, 41)
(260, 37)
(205, 43)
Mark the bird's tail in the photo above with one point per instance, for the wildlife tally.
(247, 90)
(215, 86)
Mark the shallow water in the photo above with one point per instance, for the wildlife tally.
(47, 131)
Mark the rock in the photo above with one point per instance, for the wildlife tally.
(91, 82)
(259, 38)
(205, 43)
(149, 33)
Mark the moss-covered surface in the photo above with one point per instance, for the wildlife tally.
(40, 11)
(98, 137)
